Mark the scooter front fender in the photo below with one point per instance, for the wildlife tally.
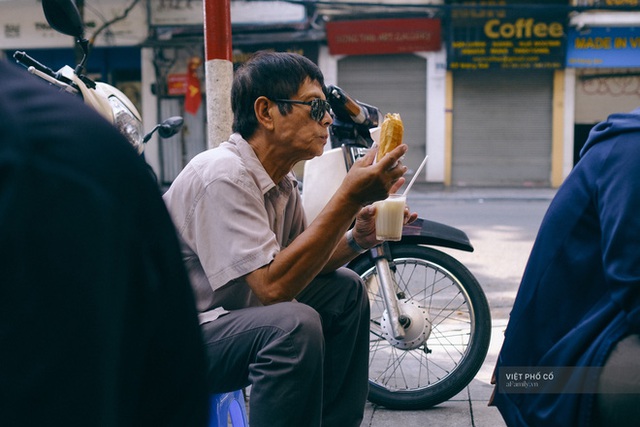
(426, 232)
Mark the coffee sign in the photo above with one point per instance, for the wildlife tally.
(507, 40)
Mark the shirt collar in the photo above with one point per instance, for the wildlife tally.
(256, 169)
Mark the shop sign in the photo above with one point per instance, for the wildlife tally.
(612, 3)
(601, 47)
(23, 25)
(191, 12)
(383, 36)
(177, 84)
(507, 39)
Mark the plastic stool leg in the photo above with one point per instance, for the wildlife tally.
(237, 414)
(227, 406)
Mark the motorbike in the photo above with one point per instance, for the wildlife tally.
(430, 324)
(64, 17)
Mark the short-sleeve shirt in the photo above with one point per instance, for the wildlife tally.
(232, 219)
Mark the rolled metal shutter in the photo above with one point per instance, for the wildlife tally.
(502, 125)
(394, 84)
(178, 150)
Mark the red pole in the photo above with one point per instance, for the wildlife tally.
(217, 29)
(218, 69)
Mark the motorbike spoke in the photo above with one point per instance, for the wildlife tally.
(432, 288)
(394, 369)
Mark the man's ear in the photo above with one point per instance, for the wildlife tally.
(263, 109)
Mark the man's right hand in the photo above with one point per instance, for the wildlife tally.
(367, 182)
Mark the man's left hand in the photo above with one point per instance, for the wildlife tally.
(364, 231)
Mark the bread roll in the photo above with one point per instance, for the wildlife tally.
(391, 133)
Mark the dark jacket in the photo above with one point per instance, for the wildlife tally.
(580, 292)
(98, 324)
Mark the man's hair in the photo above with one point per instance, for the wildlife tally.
(276, 75)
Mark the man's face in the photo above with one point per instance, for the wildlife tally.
(304, 135)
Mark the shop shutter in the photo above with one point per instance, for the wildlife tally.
(502, 124)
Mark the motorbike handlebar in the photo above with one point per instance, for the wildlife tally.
(339, 100)
(352, 119)
(24, 59)
(349, 110)
(344, 106)
(27, 61)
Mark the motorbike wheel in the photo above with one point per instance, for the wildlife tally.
(449, 308)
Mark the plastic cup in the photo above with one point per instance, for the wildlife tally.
(390, 217)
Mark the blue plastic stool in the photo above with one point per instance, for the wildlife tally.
(228, 406)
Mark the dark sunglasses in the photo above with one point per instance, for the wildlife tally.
(318, 106)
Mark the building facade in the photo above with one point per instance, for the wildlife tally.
(498, 93)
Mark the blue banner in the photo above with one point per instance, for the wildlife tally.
(603, 47)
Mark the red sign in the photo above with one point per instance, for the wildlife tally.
(177, 84)
(380, 36)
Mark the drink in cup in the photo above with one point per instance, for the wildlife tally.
(390, 217)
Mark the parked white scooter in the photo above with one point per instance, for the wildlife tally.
(430, 322)
(115, 106)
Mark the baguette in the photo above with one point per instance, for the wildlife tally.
(391, 133)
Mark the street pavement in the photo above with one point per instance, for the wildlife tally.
(501, 224)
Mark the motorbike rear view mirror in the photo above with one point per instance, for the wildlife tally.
(166, 129)
(170, 126)
(64, 17)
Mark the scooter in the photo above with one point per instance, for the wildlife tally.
(115, 106)
(430, 323)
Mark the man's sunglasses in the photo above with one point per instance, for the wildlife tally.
(318, 106)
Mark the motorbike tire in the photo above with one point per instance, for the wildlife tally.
(458, 335)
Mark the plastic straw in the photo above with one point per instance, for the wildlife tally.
(415, 175)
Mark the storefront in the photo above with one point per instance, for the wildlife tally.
(497, 93)
(603, 61)
(386, 63)
(503, 65)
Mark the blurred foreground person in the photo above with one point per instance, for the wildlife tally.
(577, 312)
(97, 319)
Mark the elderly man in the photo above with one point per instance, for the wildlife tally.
(277, 310)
